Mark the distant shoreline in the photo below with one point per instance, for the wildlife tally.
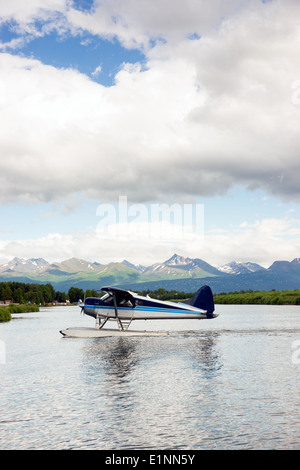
(273, 297)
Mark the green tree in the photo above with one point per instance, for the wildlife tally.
(18, 296)
(60, 296)
(75, 294)
(6, 292)
(47, 292)
(88, 293)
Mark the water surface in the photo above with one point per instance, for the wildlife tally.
(227, 383)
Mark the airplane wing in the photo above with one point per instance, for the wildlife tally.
(111, 290)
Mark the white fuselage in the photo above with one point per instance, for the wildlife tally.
(145, 308)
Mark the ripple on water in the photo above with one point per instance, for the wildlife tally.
(225, 384)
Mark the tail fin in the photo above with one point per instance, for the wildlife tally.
(203, 299)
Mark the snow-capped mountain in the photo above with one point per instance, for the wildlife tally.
(177, 260)
(170, 265)
(177, 272)
(21, 265)
(74, 265)
(138, 267)
(177, 264)
(239, 267)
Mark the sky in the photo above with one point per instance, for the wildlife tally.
(132, 129)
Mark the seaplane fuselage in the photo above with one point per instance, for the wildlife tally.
(128, 305)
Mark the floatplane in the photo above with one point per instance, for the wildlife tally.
(124, 306)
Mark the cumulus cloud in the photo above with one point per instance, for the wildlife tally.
(97, 71)
(200, 116)
(31, 11)
(263, 242)
(135, 23)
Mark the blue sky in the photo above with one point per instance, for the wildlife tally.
(157, 102)
(83, 54)
(82, 51)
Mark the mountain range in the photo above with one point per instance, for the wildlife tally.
(178, 272)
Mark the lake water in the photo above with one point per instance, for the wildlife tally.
(228, 383)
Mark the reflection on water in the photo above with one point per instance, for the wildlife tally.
(116, 357)
(152, 383)
(226, 384)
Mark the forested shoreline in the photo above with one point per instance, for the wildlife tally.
(273, 297)
(41, 294)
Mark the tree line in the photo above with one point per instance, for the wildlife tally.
(40, 294)
(273, 297)
(21, 293)
(163, 294)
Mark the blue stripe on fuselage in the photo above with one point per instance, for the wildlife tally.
(149, 309)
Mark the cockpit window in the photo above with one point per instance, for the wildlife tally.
(122, 300)
(108, 300)
(92, 301)
(125, 303)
